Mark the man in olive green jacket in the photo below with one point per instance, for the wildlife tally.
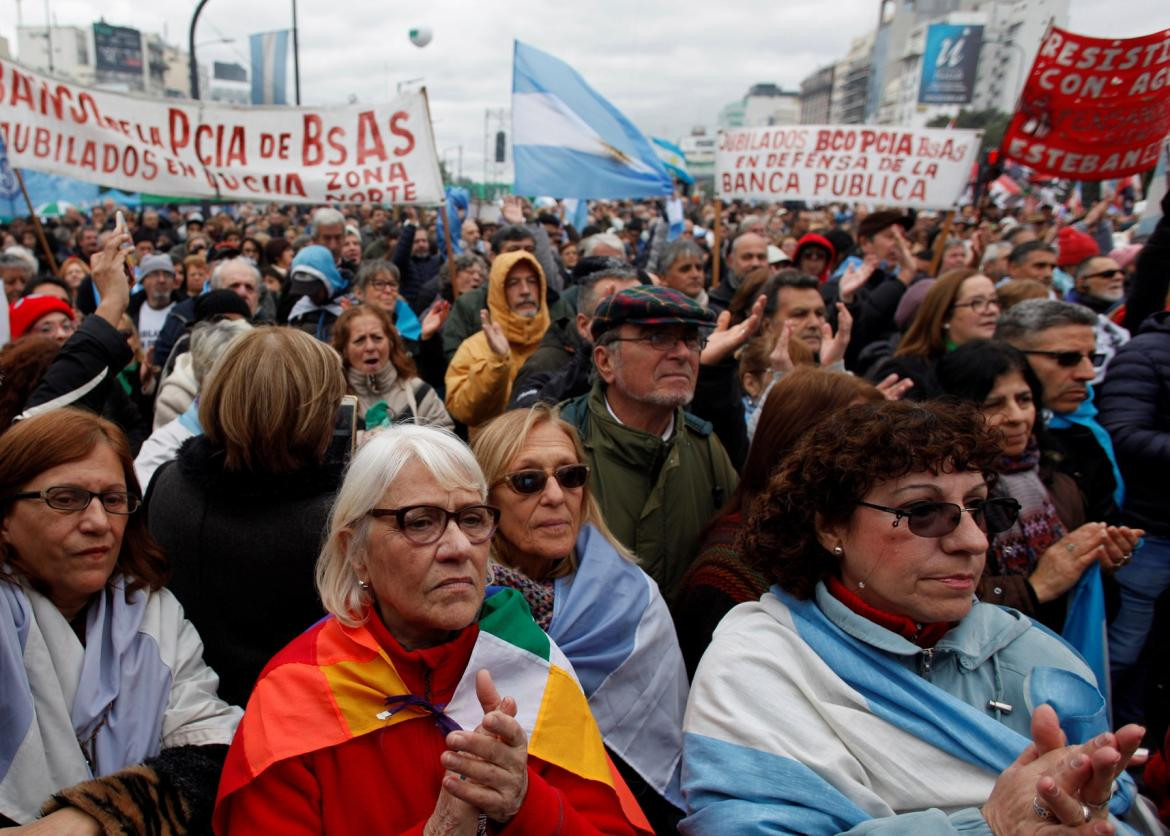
(658, 472)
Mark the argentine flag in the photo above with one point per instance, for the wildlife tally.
(568, 141)
(673, 158)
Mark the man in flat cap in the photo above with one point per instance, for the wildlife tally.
(658, 471)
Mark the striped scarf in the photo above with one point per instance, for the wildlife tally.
(1017, 550)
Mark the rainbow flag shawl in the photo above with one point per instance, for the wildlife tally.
(330, 686)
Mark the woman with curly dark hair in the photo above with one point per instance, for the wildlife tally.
(868, 688)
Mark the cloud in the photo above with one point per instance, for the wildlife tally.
(668, 66)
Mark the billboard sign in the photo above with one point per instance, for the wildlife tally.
(949, 63)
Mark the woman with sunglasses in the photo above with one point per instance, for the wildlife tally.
(960, 306)
(1037, 563)
(585, 589)
(421, 704)
(869, 689)
(111, 721)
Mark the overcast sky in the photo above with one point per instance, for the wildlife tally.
(666, 65)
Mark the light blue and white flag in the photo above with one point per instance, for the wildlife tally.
(576, 212)
(568, 141)
(269, 67)
(673, 158)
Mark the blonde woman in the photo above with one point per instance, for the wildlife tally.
(588, 593)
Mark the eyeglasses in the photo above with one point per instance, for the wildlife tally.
(66, 498)
(1068, 359)
(665, 340)
(378, 284)
(569, 477)
(425, 524)
(1106, 274)
(979, 305)
(938, 519)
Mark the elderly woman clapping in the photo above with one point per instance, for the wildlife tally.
(111, 723)
(901, 704)
(587, 591)
(387, 715)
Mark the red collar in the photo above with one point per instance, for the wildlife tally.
(923, 635)
(433, 672)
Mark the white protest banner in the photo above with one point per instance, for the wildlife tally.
(885, 165)
(349, 154)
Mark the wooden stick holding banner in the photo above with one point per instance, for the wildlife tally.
(446, 216)
(940, 243)
(718, 245)
(36, 223)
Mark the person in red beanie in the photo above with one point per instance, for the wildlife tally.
(814, 255)
(1074, 247)
(46, 315)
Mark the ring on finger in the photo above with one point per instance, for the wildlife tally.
(1125, 558)
(1039, 809)
(1086, 813)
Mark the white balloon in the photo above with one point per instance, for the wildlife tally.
(420, 36)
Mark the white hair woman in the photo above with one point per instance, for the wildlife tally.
(389, 710)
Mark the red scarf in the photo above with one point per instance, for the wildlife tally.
(923, 635)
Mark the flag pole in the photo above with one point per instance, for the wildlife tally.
(940, 244)
(296, 55)
(718, 246)
(36, 223)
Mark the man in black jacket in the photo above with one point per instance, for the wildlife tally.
(1135, 408)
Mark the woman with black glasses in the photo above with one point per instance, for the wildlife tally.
(110, 719)
(869, 691)
(586, 590)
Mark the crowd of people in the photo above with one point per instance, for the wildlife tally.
(841, 520)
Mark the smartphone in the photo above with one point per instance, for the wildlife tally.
(344, 440)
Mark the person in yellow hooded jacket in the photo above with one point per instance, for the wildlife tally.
(480, 376)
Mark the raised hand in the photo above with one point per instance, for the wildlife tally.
(780, 360)
(833, 346)
(497, 342)
(727, 338)
(434, 318)
(894, 388)
(855, 277)
(512, 209)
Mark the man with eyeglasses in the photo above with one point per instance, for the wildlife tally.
(659, 472)
(1059, 341)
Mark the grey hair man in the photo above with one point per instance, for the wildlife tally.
(240, 276)
(1059, 342)
(329, 230)
(15, 273)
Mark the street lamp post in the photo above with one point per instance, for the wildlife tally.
(191, 62)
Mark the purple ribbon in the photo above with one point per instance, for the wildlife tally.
(444, 721)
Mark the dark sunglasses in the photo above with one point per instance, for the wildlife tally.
(1068, 359)
(1106, 274)
(569, 477)
(938, 519)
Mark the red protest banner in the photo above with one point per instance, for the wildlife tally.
(1093, 108)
